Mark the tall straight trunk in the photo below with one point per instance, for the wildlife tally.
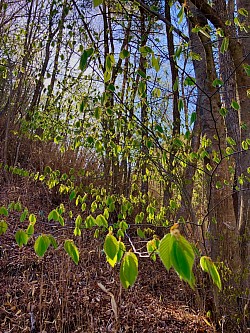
(186, 211)
(57, 52)
(143, 97)
(176, 112)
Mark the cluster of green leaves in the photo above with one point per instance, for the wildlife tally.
(43, 241)
(174, 251)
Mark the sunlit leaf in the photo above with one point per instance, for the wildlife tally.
(111, 246)
(97, 2)
(21, 237)
(41, 245)
(3, 227)
(128, 269)
(72, 250)
(101, 221)
(224, 45)
(3, 211)
(84, 58)
(208, 266)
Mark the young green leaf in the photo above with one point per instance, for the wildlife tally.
(208, 266)
(3, 211)
(156, 63)
(72, 250)
(193, 118)
(84, 58)
(53, 215)
(111, 247)
(121, 251)
(24, 215)
(189, 81)
(21, 237)
(30, 230)
(101, 221)
(32, 219)
(165, 250)
(124, 54)
(182, 259)
(128, 269)
(97, 3)
(52, 241)
(217, 83)
(3, 227)
(175, 251)
(77, 231)
(235, 105)
(41, 245)
(89, 222)
(243, 12)
(78, 221)
(224, 45)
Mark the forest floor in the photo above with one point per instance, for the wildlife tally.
(52, 294)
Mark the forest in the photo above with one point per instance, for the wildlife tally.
(124, 166)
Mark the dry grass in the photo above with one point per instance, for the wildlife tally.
(52, 294)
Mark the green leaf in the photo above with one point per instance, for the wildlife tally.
(217, 83)
(78, 221)
(231, 141)
(182, 258)
(3, 211)
(72, 250)
(193, 118)
(52, 241)
(175, 251)
(124, 54)
(30, 229)
(53, 215)
(107, 76)
(41, 245)
(165, 250)
(18, 206)
(111, 247)
(223, 112)
(180, 104)
(141, 73)
(89, 222)
(77, 231)
(244, 145)
(21, 237)
(24, 215)
(84, 58)
(3, 227)
(235, 105)
(145, 50)
(142, 88)
(180, 15)
(101, 221)
(247, 69)
(121, 251)
(129, 269)
(61, 220)
(224, 45)
(141, 233)
(32, 219)
(156, 63)
(189, 81)
(243, 12)
(97, 2)
(176, 84)
(208, 266)
(72, 195)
